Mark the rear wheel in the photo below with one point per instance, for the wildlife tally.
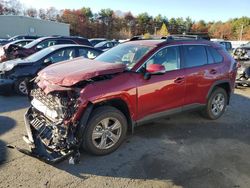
(216, 104)
(105, 130)
(21, 87)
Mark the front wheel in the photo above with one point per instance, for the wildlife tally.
(216, 104)
(105, 130)
(21, 87)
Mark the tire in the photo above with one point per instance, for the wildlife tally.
(216, 104)
(244, 79)
(20, 87)
(97, 139)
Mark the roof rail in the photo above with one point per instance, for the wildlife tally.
(169, 38)
(140, 37)
(182, 37)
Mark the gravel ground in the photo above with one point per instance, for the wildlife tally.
(182, 151)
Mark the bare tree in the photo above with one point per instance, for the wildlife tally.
(51, 14)
(31, 12)
(12, 7)
(42, 13)
(1, 7)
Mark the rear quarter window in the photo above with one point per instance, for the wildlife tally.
(218, 58)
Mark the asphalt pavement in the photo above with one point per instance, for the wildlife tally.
(184, 150)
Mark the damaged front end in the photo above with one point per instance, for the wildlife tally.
(51, 133)
(60, 107)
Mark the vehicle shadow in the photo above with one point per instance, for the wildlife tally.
(185, 149)
(17, 102)
(6, 124)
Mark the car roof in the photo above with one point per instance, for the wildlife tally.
(20, 40)
(59, 46)
(61, 37)
(163, 42)
(97, 39)
(152, 43)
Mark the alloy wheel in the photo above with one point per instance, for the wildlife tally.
(106, 133)
(218, 104)
(23, 88)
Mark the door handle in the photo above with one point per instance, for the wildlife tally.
(213, 71)
(179, 80)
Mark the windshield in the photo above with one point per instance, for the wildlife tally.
(128, 54)
(33, 43)
(40, 54)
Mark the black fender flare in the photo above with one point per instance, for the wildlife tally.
(83, 122)
(215, 84)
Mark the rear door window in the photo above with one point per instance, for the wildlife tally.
(194, 55)
(62, 55)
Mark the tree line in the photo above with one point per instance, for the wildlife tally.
(112, 24)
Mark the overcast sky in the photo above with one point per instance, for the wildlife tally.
(209, 10)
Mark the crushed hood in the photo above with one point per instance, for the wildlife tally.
(8, 65)
(68, 73)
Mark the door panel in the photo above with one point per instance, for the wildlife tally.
(160, 92)
(201, 75)
(199, 80)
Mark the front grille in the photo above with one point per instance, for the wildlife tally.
(43, 131)
(37, 124)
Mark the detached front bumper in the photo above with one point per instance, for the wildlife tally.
(6, 86)
(38, 149)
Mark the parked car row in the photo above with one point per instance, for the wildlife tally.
(92, 103)
(39, 44)
(14, 74)
(21, 48)
(22, 59)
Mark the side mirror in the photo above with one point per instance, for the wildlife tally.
(47, 61)
(155, 69)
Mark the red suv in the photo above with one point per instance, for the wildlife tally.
(92, 103)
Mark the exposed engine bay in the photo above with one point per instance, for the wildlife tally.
(50, 132)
